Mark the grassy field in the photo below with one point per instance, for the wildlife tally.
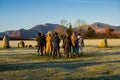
(96, 64)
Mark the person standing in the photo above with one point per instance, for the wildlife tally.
(39, 42)
(44, 43)
(63, 46)
(56, 47)
(74, 44)
(67, 46)
(49, 44)
(80, 44)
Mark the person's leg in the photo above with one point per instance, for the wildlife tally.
(81, 50)
(38, 50)
(45, 50)
(58, 53)
(77, 51)
(41, 50)
(70, 53)
(67, 53)
(73, 51)
(49, 52)
(54, 51)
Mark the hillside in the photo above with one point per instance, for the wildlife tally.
(32, 32)
(98, 27)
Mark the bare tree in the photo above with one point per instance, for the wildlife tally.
(80, 22)
(64, 22)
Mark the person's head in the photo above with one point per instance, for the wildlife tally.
(43, 35)
(56, 33)
(74, 33)
(49, 33)
(67, 35)
(39, 34)
(79, 34)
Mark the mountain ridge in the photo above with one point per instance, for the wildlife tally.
(44, 28)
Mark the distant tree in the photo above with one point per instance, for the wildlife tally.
(109, 31)
(69, 30)
(80, 22)
(90, 33)
(64, 22)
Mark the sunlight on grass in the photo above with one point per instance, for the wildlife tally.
(95, 64)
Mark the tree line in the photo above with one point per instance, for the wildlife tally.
(89, 32)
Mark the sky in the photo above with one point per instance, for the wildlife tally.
(17, 14)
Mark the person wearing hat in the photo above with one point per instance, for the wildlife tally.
(56, 46)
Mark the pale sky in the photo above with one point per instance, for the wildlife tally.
(17, 14)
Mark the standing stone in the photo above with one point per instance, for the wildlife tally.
(5, 42)
(103, 43)
(21, 44)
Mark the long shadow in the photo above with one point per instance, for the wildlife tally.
(114, 53)
(108, 53)
(51, 64)
(17, 54)
(115, 77)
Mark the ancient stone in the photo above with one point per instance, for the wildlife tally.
(21, 44)
(103, 43)
(5, 43)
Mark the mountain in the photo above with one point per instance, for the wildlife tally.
(60, 29)
(117, 28)
(44, 28)
(100, 27)
(30, 33)
(5, 33)
(15, 34)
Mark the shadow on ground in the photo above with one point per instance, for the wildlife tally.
(115, 77)
(51, 64)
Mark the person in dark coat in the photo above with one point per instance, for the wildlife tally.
(56, 47)
(67, 46)
(39, 43)
(44, 43)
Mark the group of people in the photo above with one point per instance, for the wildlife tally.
(50, 45)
